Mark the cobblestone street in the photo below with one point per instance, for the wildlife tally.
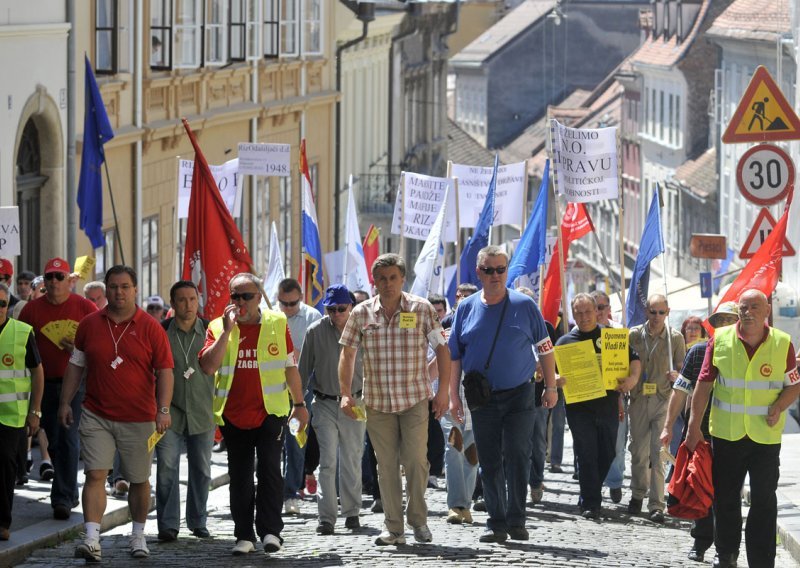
(559, 537)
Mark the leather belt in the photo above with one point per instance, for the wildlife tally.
(323, 396)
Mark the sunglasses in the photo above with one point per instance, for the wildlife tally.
(602, 307)
(339, 309)
(57, 275)
(288, 304)
(246, 296)
(658, 312)
(489, 270)
(3, 303)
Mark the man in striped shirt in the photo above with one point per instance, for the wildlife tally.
(394, 330)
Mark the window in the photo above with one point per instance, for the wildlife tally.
(671, 126)
(244, 30)
(160, 34)
(216, 41)
(148, 279)
(113, 38)
(271, 28)
(312, 27)
(105, 255)
(188, 33)
(286, 222)
(288, 27)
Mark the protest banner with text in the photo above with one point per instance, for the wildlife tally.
(585, 163)
(473, 184)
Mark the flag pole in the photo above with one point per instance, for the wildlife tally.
(561, 252)
(346, 232)
(444, 243)
(664, 276)
(621, 224)
(524, 199)
(458, 235)
(402, 214)
(114, 212)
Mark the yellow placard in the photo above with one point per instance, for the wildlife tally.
(57, 330)
(649, 388)
(408, 320)
(614, 356)
(153, 440)
(578, 365)
(84, 265)
(302, 437)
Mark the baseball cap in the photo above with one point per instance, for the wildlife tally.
(56, 265)
(6, 267)
(725, 308)
(336, 295)
(155, 301)
(26, 275)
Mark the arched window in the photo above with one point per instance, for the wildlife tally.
(29, 186)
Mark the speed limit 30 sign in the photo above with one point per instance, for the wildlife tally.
(765, 175)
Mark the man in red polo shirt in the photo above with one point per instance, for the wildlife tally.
(128, 363)
(54, 318)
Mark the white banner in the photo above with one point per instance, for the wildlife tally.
(265, 159)
(585, 163)
(334, 266)
(473, 185)
(227, 178)
(423, 198)
(9, 231)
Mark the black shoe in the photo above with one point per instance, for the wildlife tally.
(616, 494)
(725, 560)
(325, 528)
(575, 476)
(22, 480)
(220, 447)
(167, 535)
(656, 516)
(377, 506)
(352, 523)
(28, 465)
(493, 536)
(556, 469)
(201, 532)
(697, 553)
(518, 533)
(46, 471)
(635, 506)
(479, 505)
(591, 514)
(61, 512)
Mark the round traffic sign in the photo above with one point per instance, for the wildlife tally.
(765, 174)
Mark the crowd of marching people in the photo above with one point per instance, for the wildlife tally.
(383, 392)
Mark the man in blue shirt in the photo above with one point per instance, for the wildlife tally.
(503, 426)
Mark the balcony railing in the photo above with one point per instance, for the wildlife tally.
(377, 193)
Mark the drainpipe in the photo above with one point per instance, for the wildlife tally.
(366, 13)
(138, 47)
(71, 196)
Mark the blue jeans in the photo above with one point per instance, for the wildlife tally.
(168, 493)
(503, 437)
(460, 475)
(558, 416)
(539, 445)
(616, 473)
(294, 459)
(64, 444)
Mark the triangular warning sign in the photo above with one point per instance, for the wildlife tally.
(763, 226)
(763, 113)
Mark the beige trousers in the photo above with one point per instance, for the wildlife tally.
(647, 416)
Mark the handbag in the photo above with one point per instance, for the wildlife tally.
(477, 390)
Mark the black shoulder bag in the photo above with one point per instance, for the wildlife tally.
(477, 390)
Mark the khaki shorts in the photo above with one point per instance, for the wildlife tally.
(100, 438)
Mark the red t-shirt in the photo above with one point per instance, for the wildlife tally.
(245, 406)
(709, 373)
(39, 312)
(126, 393)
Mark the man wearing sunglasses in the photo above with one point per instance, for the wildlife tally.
(299, 316)
(58, 304)
(252, 355)
(504, 426)
(338, 436)
(649, 402)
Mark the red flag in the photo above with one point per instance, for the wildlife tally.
(575, 225)
(215, 251)
(762, 271)
(371, 248)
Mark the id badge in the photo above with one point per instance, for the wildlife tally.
(116, 362)
(408, 320)
(188, 373)
(649, 389)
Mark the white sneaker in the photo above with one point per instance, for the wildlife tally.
(89, 550)
(291, 507)
(243, 547)
(271, 543)
(386, 538)
(139, 546)
(422, 533)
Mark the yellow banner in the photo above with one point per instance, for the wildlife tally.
(614, 356)
(578, 366)
(84, 266)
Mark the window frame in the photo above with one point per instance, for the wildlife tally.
(112, 31)
(106, 255)
(208, 29)
(120, 34)
(271, 29)
(150, 257)
(199, 33)
(304, 23)
(166, 33)
(293, 24)
(249, 26)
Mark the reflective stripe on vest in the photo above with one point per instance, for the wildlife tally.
(14, 396)
(15, 382)
(741, 408)
(18, 374)
(743, 384)
(271, 365)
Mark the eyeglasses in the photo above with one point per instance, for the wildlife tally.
(339, 309)
(489, 270)
(3, 303)
(246, 296)
(43, 291)
(658, 312)
(601, 307)
(57, 275)
(288, 304)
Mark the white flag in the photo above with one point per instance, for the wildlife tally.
(355, 267)
(429, 262)
(275, 271)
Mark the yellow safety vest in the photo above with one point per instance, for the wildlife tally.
(271, 357)
(745, 389)
(15, 379)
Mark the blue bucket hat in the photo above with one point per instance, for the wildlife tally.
(337, 295)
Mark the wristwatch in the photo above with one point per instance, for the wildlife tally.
(299, 405)
(551, 389)
(36, 413)
(164, 410)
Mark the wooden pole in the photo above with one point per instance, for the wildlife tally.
(621, 224)
(114, 212)
(402, 214)
(524, 199)
(458, 234)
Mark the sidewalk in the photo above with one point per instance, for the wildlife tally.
(33, 526)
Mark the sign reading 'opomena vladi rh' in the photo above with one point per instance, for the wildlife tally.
(265, 159)
(585, 162)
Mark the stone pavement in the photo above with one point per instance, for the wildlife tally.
(559, 537)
